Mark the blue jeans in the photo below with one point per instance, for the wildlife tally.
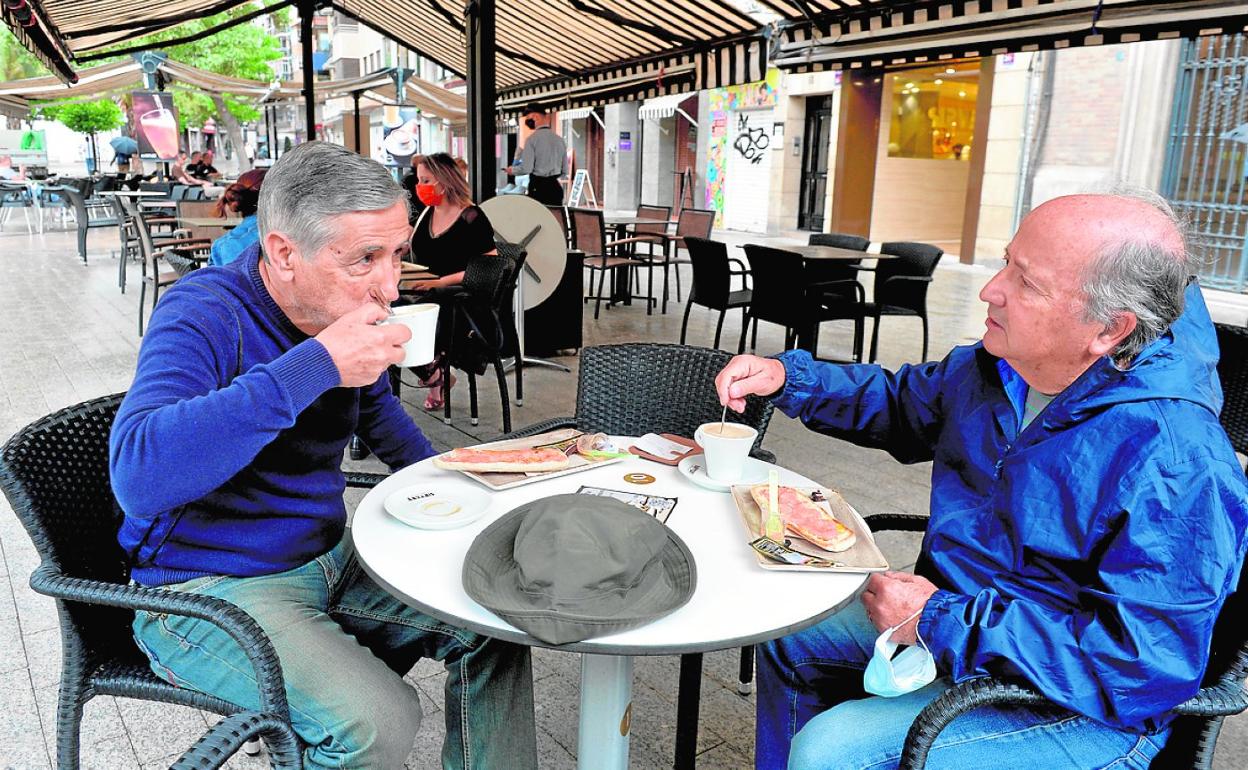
(344, 645)
(814, 715)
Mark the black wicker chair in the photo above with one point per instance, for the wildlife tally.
(476, 327)
(55, 474)
(1233, 372)
(712, 284)
(1199, 721)
(671, 389)
(901, 286)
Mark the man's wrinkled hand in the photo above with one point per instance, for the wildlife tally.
(748, 376)
(891, 597)
(360, 348)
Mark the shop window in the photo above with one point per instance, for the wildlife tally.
(933, 112)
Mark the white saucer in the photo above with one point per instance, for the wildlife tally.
(694, 469)
(437, 505)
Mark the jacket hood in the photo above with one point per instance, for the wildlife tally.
(1180, 364)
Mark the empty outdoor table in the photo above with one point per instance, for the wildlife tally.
(736, 603)
(830, 252)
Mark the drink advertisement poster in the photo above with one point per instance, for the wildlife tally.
(156, 125)
(24, 147)
(400, 132)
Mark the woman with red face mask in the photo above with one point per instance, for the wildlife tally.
(448, 233)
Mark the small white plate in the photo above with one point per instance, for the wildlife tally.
(437, 505)
(694, 468)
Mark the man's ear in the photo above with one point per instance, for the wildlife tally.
(1112, 335)
(281, 253)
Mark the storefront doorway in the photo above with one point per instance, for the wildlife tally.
(814, 189)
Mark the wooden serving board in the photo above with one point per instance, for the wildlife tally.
(501, 481)
(863, 556)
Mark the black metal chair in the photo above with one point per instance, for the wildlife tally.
(1195, 731)
(153, 250)
(788, 292)
(671, 390)
(901, 286)
(712, 284)
(54, 472)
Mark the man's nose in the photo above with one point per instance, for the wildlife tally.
(991, 293)
(389, 280)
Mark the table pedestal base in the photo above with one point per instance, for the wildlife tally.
(606, 711)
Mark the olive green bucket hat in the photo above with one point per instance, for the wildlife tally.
(573, 567)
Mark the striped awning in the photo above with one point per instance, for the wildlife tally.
(127, 75)
(665, 107)
(561, 53)
(847, 34)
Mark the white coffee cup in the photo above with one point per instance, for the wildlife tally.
(423, 321)
(725, 452)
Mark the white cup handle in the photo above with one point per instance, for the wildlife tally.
(697, 438)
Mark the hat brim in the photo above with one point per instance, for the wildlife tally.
(491, 578)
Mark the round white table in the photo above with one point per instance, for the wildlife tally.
(736, 603)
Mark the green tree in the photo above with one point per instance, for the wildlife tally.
(90, 118)
(242, 51)
(16, 62)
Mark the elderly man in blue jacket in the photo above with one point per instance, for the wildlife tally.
(1087, 512)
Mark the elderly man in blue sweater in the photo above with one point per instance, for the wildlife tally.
(1088, 514)
(225, 457)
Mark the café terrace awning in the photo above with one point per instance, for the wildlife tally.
(379, 88)
(850, 34)
(562, 53)
(122, 76)
(665, 107)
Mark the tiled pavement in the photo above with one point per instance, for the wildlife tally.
(67, 334)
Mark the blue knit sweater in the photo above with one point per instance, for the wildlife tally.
(225, 455)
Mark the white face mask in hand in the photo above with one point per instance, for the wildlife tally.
(913, 668)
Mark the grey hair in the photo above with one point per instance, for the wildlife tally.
(1139, 277)
(314, 183)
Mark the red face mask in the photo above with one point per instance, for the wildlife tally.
(428, 195)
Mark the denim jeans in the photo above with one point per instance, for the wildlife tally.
(814, 715)
(344, 645)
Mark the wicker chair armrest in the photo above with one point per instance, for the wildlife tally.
(241, 627)
(733, 260)
(952, 703)
(859, 292)
(1222, 700)
(226, 737)
(361, 480)
(165, 243)
(763, 454)
(899, 522)
(914, 278)
(664, 237)
(545, 426)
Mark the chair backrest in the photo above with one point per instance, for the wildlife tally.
(913, 259)
(588, 231)
(561, 216)
(658, 213)
(840, 241)
(779, 281)
(711, 281)
(160, 187)
(143, 232)
(637, 388)
(695, 222)
(55, 474)
(77, 203)
(196, 209)
(14, 194)
(1233, 372)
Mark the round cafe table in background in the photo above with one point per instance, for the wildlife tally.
(736, 603)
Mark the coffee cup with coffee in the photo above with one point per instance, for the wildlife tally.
(726, 445)
(423, 321)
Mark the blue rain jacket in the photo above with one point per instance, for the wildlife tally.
(1088, 554)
